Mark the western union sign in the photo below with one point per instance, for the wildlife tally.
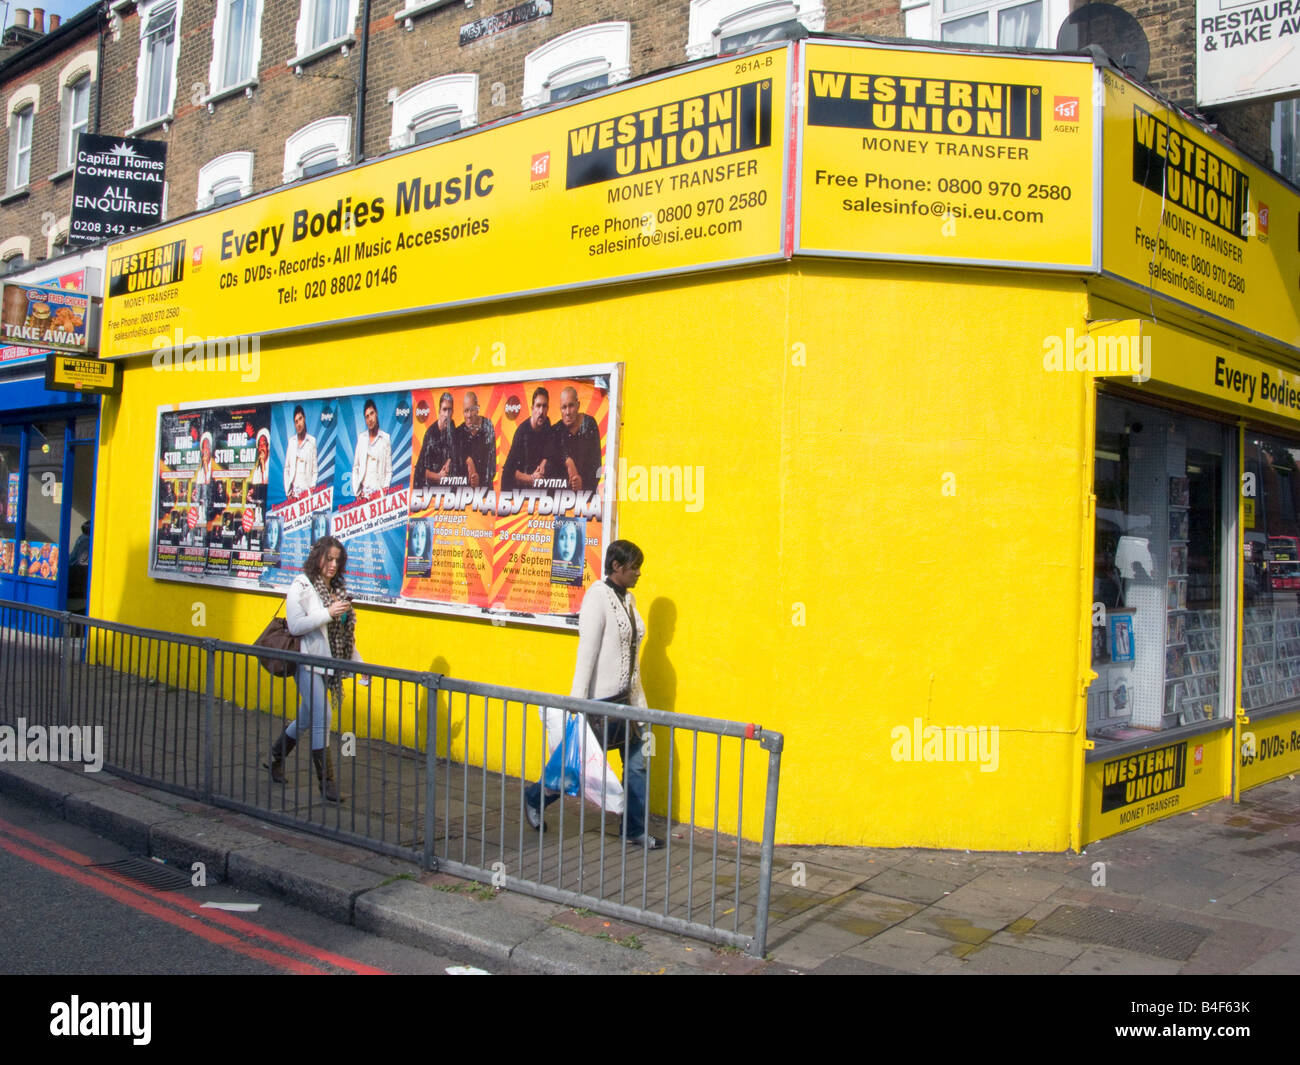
(924, 105)
(70, 373)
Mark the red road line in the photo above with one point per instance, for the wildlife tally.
(185, 906)
(114, 891)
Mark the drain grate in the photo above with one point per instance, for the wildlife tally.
(1144, 935)
(154, 874)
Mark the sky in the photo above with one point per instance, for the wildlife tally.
(66, 8)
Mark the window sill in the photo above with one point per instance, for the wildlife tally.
(16, 195)
(152, 124)
(423, 7)
(336, 45)
(244, 87)
(59, 175)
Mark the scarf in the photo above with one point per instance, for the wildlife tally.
(340, 630)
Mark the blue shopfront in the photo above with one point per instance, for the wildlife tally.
(48, 443)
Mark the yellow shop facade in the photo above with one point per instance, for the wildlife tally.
(923, 378)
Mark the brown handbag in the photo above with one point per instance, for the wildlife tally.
(277, 637)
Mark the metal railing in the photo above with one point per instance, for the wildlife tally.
(431, 768)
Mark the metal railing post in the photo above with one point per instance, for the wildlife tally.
(772, 742)
(431, 686)
(65, 662)
(209, 713)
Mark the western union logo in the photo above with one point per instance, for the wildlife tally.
(925, 105)
(1130, 780)
(163, 265)
(713, 124)
(1188, 174)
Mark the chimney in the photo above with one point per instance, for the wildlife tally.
(55, 22)
(22, 17)
(38, 19)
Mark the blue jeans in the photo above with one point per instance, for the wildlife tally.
(313, 707)
(636, 788)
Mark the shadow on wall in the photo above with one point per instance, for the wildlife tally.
(659, 678)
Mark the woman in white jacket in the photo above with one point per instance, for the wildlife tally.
(610, 631)
(318, 609)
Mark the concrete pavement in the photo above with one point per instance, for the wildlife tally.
(1215, 890)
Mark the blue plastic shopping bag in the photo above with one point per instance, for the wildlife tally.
(564, 770)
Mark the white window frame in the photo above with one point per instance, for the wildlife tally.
(84, 65)
(15, 248)
(221, 43)
(58, 235)
(452, 96)
(68, 126)
(413, 8)
(314, 140)
(1275, 136)
(142, 122)
(711, 20)
(306, 51)
(20, 154)
(221, 171)
(1054, 13)
(589, 51)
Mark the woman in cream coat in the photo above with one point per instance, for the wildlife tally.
(610, 631)
(318, 609)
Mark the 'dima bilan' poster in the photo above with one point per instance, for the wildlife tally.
(372, 490)
(300, 487)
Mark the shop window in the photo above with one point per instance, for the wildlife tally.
(317, 148)
(435, 109)
(75, 119)
(1270, 650)
(718, 26)
(20, 147)
(1012, 23)
(10, 471)
(577, 62)
(1161, 639)
(1286, 139)
(225, 179)
(236, 44)
(44, 501)
(156, 69)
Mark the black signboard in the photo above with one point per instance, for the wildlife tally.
(117, 187)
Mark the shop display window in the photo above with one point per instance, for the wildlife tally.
(1270, 519)
(1159, 639)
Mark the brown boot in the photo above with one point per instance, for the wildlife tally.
(280, 750)
(325, 774)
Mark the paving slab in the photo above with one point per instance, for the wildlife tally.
(1003, 959)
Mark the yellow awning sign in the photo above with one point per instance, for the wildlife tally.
(943, 157)
(1187, 217)
(677, 173)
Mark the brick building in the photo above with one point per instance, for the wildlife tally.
(251, 94)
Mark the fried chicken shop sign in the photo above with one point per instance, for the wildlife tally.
(117, 187)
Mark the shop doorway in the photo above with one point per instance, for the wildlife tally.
(47, 475)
